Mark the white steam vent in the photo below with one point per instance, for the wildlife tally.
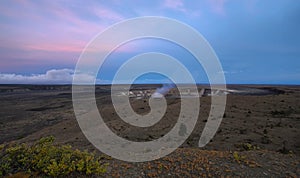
(161, 92)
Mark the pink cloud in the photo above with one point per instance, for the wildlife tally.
(55, 47)
(53, 28)
(77, 48)
(107, 14)
(175, 5)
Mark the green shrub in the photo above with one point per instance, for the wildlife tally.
(48, 159)
(238, 157)
(247, 146)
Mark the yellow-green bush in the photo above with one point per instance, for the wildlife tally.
(48, 159)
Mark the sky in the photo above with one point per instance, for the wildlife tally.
(257, 42)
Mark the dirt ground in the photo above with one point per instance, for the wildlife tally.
(258, 135)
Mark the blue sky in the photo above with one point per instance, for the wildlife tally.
(256, 41)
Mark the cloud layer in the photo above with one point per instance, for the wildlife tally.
(54, 76)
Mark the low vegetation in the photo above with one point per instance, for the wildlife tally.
(246, 147)
(46, 159)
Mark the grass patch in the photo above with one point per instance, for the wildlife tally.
(46, 159)
(246, 147)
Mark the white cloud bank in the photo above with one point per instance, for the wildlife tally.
(54, 76)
